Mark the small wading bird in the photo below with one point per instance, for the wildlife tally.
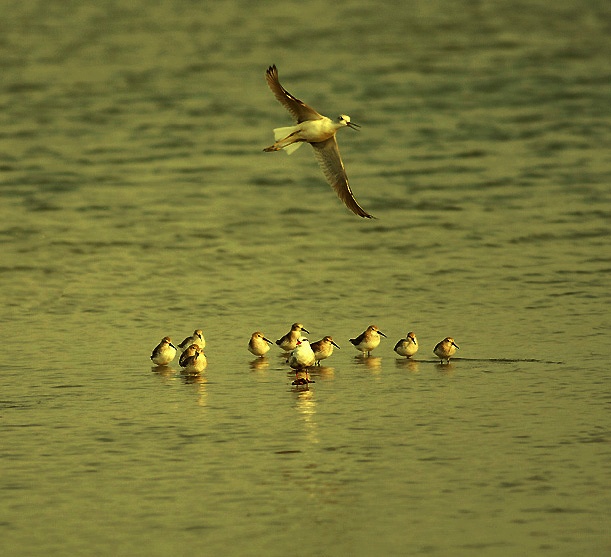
(191, 351)
(319, 131)
(258, 344)
(323, 348)
(196, 338)
(368, 339)
(407, 346)
(301, 358)
(445, 349)
(196, 361)
(289, 341)
(164, 352)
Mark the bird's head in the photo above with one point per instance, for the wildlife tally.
(344, 120)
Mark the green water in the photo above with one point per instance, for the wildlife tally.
(136, 202)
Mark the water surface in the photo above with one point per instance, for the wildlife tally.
(137, 203)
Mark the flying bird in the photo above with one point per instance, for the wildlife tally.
(319, 131)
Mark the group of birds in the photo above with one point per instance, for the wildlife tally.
(319, 131)
(192, 357)
(301, 355)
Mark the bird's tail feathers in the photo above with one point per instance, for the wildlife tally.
(281, 133)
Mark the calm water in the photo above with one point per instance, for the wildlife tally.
(136, 202)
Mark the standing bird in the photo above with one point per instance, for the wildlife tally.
(289, 341)
(323, 348)
(407, 346)
(191, 351)
(368, 339)
(164, 352)
(319, 131)
(302, 356)
(196, 338)
(195, 363)
(300, 359)
(258, 344)
(445, 349)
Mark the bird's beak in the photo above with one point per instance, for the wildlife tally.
(353, 126)
(455, 345)
(335, 345)
(267, 340)
(305, 330)
(174, 347)
(381, 333)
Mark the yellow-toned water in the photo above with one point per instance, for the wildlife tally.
(136, 202)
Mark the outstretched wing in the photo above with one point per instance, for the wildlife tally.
(299, 110)
(330, 161)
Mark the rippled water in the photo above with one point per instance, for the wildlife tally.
(137, 203)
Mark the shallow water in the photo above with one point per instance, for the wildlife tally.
(137, 203)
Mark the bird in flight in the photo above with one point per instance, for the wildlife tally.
(319, 131)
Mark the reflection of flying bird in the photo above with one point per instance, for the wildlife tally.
(319, 131)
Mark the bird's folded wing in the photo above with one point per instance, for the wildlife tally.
(356, 341)
(330, 161)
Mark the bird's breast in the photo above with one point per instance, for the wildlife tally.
(314, 131)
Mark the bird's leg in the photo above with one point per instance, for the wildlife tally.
(277, 146)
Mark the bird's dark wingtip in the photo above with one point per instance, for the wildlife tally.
(363, 214)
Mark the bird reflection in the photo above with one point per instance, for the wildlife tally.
(193, 378)
(407, 364)
(305, 404)
(445, 368)
(259, 364)
(374, 363)
(166, 372)
(323, 372)
(199, 383)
